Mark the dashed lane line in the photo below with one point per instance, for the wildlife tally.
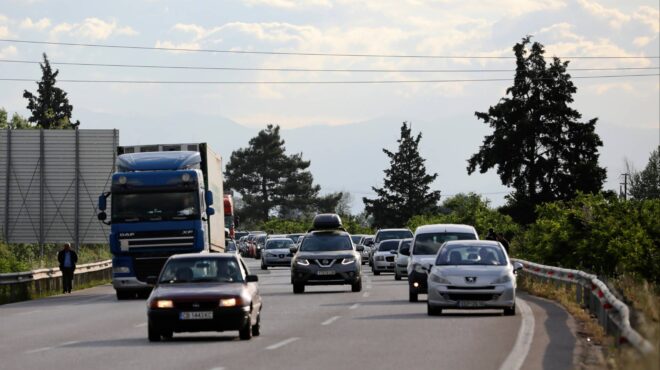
(354, 306)
(142, 325)
(282, 343)
(330, 320)
(37, 350)
(365, 295)
(523, 343)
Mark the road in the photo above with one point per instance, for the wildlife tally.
(325, 328)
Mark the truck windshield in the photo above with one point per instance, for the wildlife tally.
(154, 206)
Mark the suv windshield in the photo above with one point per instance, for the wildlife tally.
(326, 243)
(431, 242)
(201, 270)
(394, 234)
(388, 245)
(471, 255)
(279, 244)
(356, 239)
(136, 207)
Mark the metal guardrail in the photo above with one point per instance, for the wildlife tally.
(613, 315)
(22, 277)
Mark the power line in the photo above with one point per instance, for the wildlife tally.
(227, 51)
(154, 66)
(356, 82)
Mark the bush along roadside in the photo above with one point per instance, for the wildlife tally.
(27, 257)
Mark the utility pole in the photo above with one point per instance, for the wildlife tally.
(625, 185)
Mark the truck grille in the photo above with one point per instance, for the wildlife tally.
(148, 266)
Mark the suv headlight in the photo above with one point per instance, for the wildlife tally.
(502, 279)
(302, 261)
(348, 261)
(439, 279)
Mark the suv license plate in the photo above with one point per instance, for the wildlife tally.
(201, 315)
(325, 272)
(470, 304)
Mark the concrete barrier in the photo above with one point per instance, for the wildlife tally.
(22, 286)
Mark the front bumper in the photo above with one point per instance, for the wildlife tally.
(497, 296)
(129, 283)
(223, 319)
(276, 261)
(387, 266)
(310, 274)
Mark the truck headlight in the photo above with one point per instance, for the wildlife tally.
(185, 177)
(121, 270)
(502, 279)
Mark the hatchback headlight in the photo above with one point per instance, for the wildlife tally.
(439, 279)
(348, 261)
(502, 279)
(302, 261)
(228, 302)
(163, 303)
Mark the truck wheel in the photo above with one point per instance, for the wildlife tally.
(153, 333)
(124, 295)
(376, 272)
(298, 288)
(412, 296)
(357, 286)
(246, 332)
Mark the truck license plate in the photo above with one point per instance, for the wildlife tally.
(201, 315)
(470, 304)
(325, 272)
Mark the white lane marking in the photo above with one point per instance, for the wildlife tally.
(354, 306)
(28, 312)
(68, 343)
(217, 368)
(140, 325)
(282, 343)
(42, 349)
(365, 295)
(516, 357)
(330, 320)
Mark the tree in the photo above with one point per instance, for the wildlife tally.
(270, 181)
(16, 123)
(50, 107)
(539, 146)
(646, 184)
(406, 191)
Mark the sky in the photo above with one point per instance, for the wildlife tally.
(627, 107)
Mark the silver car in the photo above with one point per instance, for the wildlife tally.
(472, 274)
(276, 253)
(401, 259)
(383, 256)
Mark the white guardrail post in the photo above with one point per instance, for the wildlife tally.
(613, 315)
(23, 277)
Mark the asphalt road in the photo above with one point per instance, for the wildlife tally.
(325, 328)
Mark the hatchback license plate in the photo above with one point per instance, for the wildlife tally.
(201, 315)
(325, 272)
(470, 304)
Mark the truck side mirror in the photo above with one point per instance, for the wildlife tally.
(210, 211)
(102, 202)
(209, 198)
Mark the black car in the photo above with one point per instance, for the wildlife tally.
(326, 257)
(204, 292)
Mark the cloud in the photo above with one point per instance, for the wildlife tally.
(649, 16)
(290, 4)
(603, 88)
(4, 32)
(642, 41)
(92, 29)
(40, 25)
(8, 51)
(615, 17)
(182, 45)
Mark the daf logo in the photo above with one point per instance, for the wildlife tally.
(187, 232)
(471, 279)
(126, 235)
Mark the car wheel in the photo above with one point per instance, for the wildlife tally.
(397, 276)
(168, 335)
(246, 332)
(357, 286)
(510, 311)
(412, 296)
(263, 266)
(376, 272)
(256, 328)
(153, 333)
(298, 288)
(433, 311)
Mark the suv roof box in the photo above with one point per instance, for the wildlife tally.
(327, 221)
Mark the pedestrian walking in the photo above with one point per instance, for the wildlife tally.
(67, 259)
(503, 241)
(491, 234)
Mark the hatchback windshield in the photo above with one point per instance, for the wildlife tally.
(394, 234)
(389, 245)
(430, 243)
(201, 270)
(279, 244)
(154, 206)
(326, 243)
(356, 239)
(471, 255)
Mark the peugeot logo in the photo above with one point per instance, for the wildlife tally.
(470, 279)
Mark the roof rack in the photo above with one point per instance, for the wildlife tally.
(327, 221)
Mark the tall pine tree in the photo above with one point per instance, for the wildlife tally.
(539, 145)
(406, 191)
(50, 107)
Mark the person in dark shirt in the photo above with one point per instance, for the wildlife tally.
(503, 241)
(491, 234)
(67, 259)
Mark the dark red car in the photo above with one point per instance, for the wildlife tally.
(204, 292)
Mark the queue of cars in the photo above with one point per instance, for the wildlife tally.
(217, 292)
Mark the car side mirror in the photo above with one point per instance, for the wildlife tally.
(359, 248)
(152, 280)
(210, 211)
(252, 278)
(293, 249)
(517, 266)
